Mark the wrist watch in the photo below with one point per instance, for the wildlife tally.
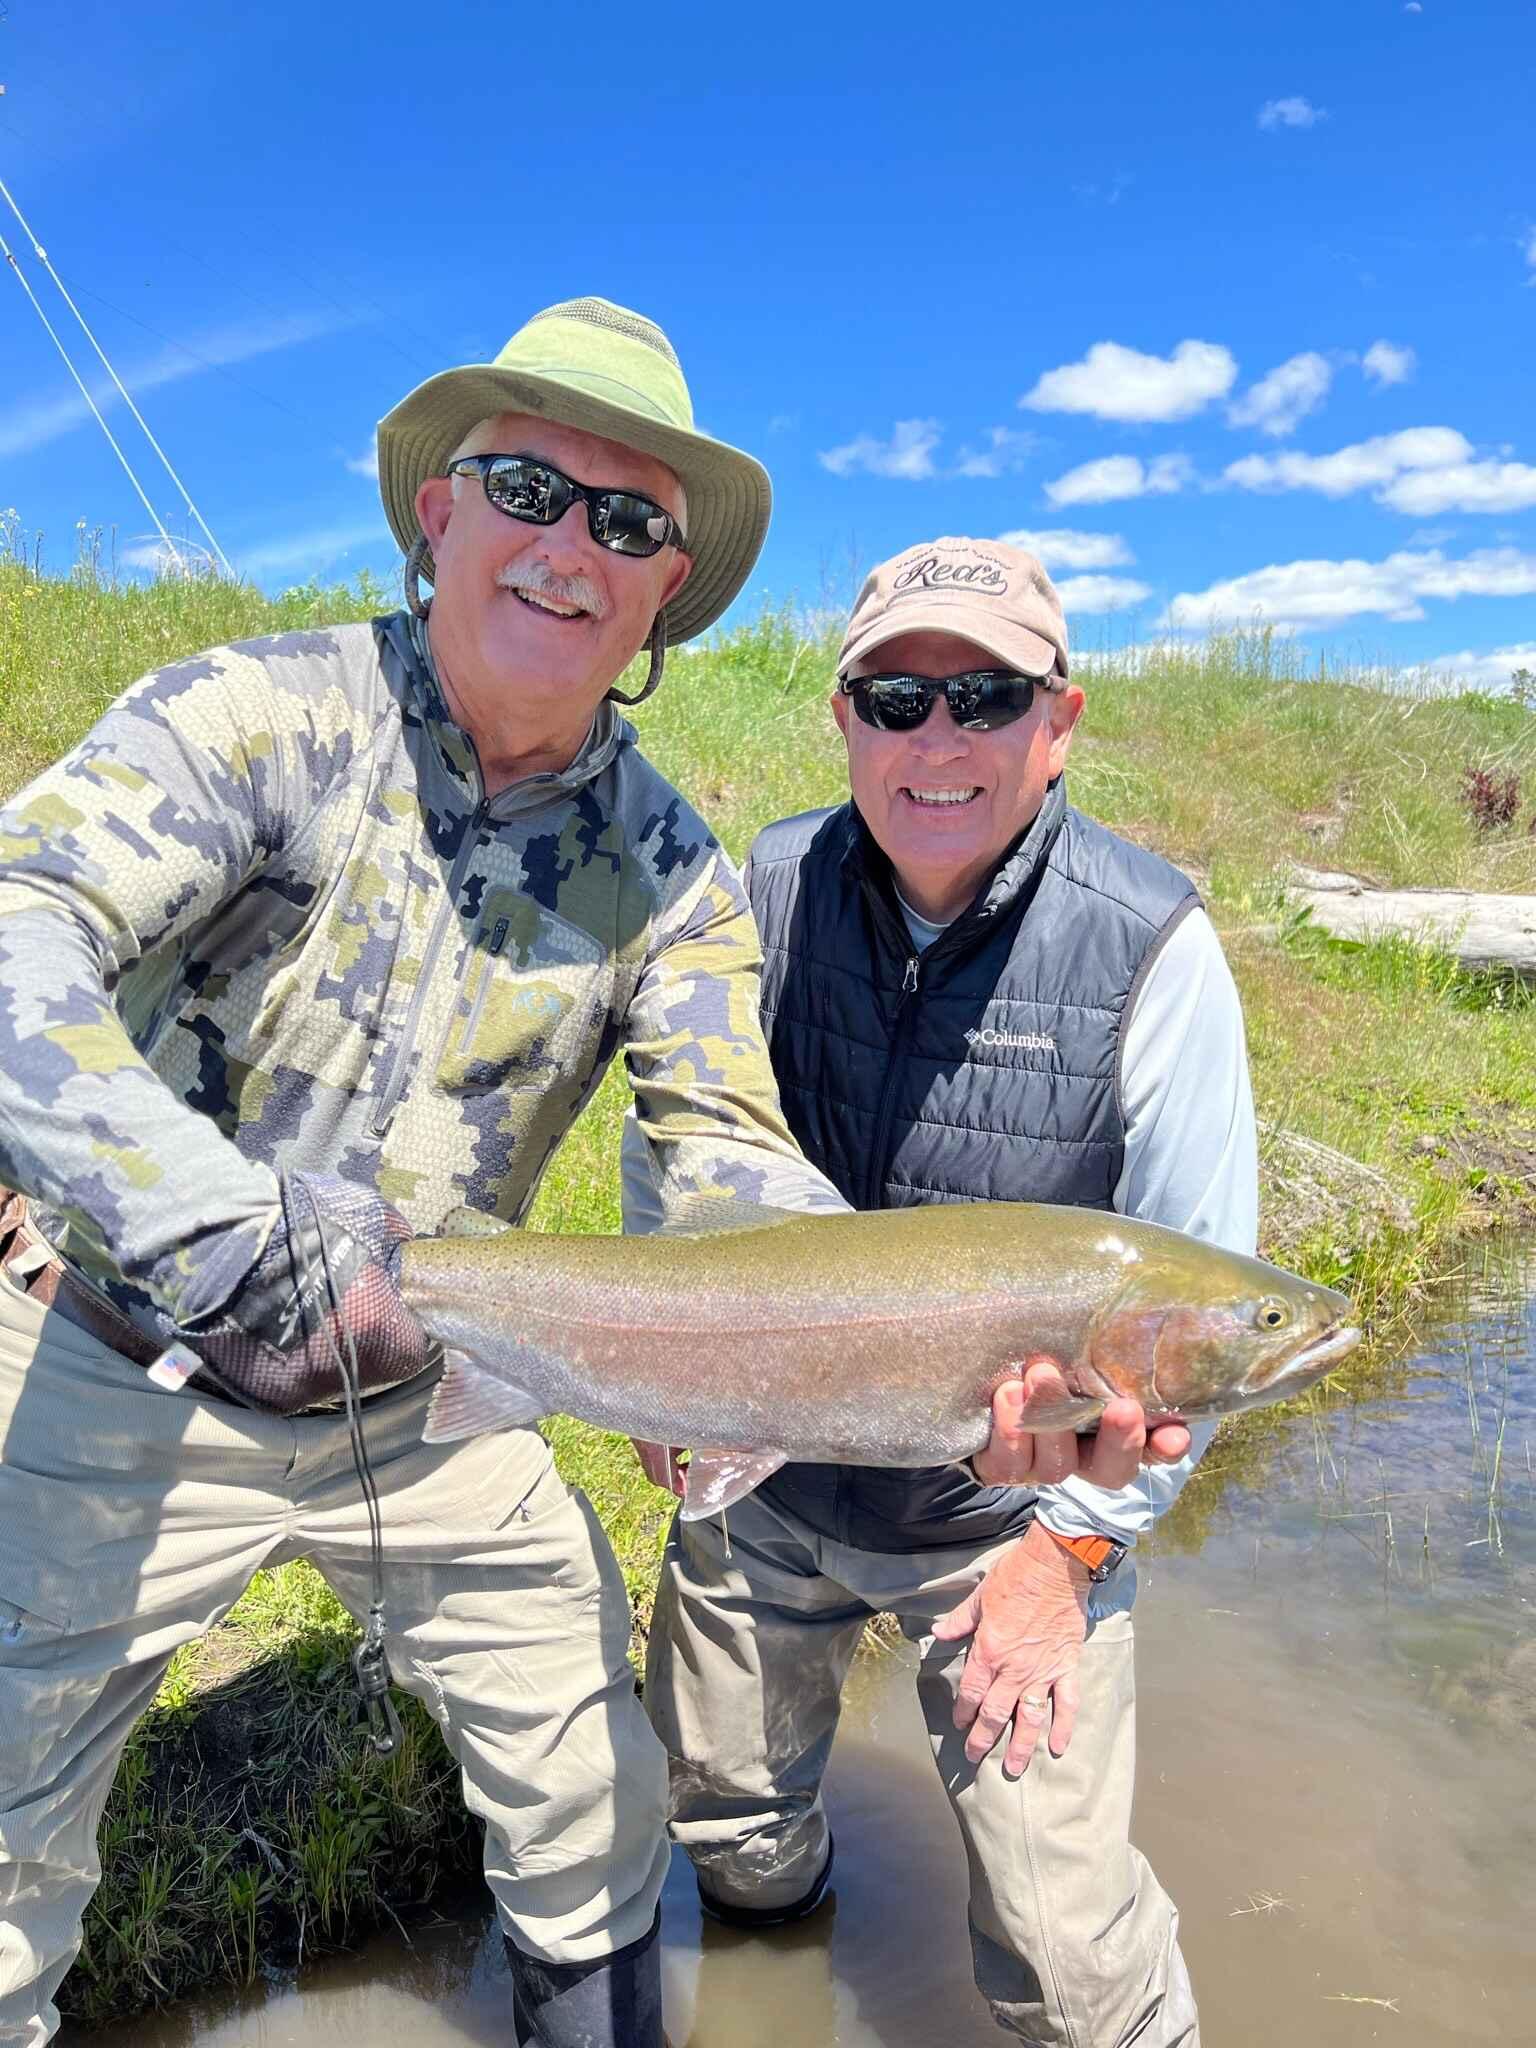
(1099, 1555)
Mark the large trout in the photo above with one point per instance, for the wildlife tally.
(867, 1339)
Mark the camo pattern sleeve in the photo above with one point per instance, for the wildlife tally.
(706, 1102)
(112, 864)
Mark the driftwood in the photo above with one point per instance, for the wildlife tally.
(1305, 1186)
(1481, 931)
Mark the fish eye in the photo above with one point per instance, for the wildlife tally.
(1272, 1315)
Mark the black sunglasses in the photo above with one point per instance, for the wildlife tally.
(525, 488)
(980, 700)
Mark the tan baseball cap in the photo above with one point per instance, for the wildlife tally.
(980, 590)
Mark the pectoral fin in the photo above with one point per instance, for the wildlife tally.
(469, 1401)
(1055, 1405)
(1051, 1412)
(718, 1479)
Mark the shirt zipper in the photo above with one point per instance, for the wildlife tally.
(905, 1008)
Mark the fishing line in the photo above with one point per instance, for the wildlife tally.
(10, 256)
(42, 256)
(368, 1660)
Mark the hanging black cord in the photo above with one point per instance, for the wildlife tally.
(368, 1659)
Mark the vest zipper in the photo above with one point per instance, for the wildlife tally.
(887, 1107)
(389, 1101)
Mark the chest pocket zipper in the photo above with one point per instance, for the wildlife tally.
(488, 956)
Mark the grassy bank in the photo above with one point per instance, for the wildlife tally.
(1398, 1099)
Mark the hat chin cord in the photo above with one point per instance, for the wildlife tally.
(653, 674)
(415, 562)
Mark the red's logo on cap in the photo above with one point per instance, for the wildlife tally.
(929, 572)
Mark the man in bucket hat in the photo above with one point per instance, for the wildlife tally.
(309, 943)
(972, 993)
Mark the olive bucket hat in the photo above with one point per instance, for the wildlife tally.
(595, 366)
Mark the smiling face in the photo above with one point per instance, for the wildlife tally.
(530, 625)
(943, 803)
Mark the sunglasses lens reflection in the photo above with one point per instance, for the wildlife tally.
(631, 525)
(526, 490)
(895, 704)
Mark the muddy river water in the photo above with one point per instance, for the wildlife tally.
(1337, 1759)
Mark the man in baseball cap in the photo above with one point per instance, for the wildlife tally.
(973, 992)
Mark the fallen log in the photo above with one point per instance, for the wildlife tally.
(1481, 931)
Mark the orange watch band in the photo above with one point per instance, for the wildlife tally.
(1090, 1551)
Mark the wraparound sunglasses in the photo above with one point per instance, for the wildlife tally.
(981, 700)
(525, 488)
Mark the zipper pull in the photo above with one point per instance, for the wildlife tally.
(909, 979)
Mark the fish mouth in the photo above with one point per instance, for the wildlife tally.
(1335, 1343)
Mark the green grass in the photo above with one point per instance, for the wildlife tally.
(1228, 758)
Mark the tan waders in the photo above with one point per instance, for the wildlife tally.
(1074, 1941)
(131, 1520)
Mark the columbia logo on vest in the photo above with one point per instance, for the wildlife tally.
(1024, 1041)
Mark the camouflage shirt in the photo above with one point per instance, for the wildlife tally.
(263, 917)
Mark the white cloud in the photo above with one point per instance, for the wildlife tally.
(1322, 593)
(1005, 450)
(1413, 6)
(33, 424)
(908, 453)
(1490, 671)
(1060, 547)
(314, 551)
(1120, 476)
(1101, 593)
(1280, 401)
(1117, 383)
(1463, 487)
(1530, 249)
(1291, 113)
(1385, 363)
(1422, 471)
(1359, 467)
(366, 464)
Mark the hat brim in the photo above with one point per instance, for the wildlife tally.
(729, 495)
(1030, 654)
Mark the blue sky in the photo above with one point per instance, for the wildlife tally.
(1232, 309)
